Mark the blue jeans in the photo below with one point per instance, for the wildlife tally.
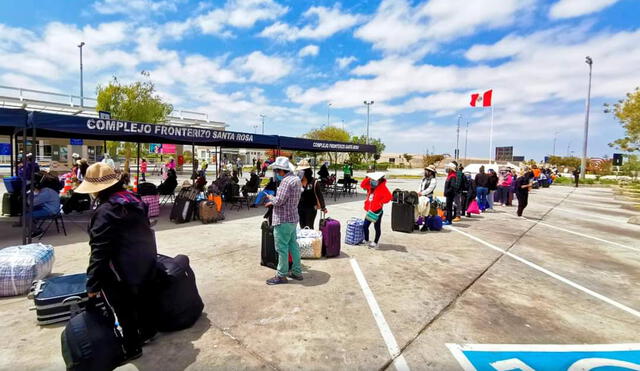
(482, 193)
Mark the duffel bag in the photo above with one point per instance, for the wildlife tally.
(153, 202)
(355, 232)
(92, 341)
(21, 265)
(178, 303)
(310, 243)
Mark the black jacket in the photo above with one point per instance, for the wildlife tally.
(324, 172)
(493, 182)
(482, 180)
(123, 245)
(308, 197)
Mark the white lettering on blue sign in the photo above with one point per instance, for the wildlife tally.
(163, 130)
(533, 357)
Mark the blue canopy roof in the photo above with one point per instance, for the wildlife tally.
(65, 126)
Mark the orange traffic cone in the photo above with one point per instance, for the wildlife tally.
(135, 185)
(67, 186)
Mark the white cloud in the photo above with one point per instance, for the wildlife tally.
(135, 8)
(238, 13)
(398, 26)
(577, 8)
(345, 61)
(263, 68)
(311, 50)
(325, 23)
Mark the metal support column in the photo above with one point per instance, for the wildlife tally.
(138, 165)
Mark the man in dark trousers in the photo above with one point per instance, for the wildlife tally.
(576, 176)
(450, 191)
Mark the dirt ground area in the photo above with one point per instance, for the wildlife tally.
(568, 273)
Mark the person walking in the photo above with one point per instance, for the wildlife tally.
(377, 195)
(425, 194)
(576, 176)
(284, 220)
(492, 187)
(450, 191)
(311, 199)
(482, 189)
(122, 263)
(523, 186)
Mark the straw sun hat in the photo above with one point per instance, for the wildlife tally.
(98, 178)
(303, 165)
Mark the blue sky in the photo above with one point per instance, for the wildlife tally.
(418, 60)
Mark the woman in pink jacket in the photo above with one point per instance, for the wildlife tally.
(506, 179)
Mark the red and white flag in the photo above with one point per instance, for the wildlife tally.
(483, 100)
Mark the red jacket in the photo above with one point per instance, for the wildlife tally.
(376, 199)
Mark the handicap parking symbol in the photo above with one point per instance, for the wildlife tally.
(540, 357)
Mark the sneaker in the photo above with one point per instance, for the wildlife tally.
(446, 222)
(424, 228)
(373, 245)
(457, 219)
(365, 243)
(297, 277)
(277, 280)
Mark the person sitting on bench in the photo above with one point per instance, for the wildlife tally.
(46, 204)
(252, 184)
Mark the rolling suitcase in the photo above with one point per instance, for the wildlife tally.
(269, 255)
(402, 215)
(92, 341)
(331, 237)
(60, 298)
(178, 304)
(11, 204)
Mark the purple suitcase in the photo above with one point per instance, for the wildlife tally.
(331, 239)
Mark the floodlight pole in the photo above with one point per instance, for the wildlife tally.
(328, 114)
(457, 156)
(81, 83)
(368, 104)
(583, 163)
(466, 136)
(262, 116)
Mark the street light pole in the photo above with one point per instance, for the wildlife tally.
(583, 163)
(457, 156)
(81, 84)
(555, 138)
(328, 115)
(466, 136)
(263, 116)
(368, 104)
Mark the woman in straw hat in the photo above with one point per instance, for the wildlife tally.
(377, 195)
(123, 254)
(427, 186)
(311, 199)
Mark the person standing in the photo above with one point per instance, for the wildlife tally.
(460, 186)
(504, 184)
(284, 220)
(311, 199)
(492, 186)
(377, 195)
(122, 263)
(258, 166)
(523, 185)
(239, 165)
(425, 194)
(482, 189)
(143, 169)
(450, 191)
(576, 176)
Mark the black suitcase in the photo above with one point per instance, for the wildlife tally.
(91, 341)
(60, 298)
(11, 204)
(182, 211)
(147, 189)
(179, 304)
(269, 256)
(402, 217)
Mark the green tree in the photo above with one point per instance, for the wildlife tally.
(358, 158)
(137, 101)
(408, 158)
(570, 162)
(631, 166)
(329, 133)
(627, 111)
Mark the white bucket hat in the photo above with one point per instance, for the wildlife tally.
(375, 176)
(282, 163)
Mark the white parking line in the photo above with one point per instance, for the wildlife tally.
(584, 214)
(579, 234)
(551, 274)
(399, 362)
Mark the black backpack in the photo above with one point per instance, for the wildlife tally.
(147, 189)
(91, 341)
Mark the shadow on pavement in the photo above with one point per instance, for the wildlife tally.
(390, 247)
(174, 350)
(312, 278)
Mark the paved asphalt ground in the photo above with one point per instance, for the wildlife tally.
(567, 274)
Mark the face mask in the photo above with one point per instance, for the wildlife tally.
(301, 174)
(279, 177)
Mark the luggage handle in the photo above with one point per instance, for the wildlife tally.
(74, 307)
(36, 288)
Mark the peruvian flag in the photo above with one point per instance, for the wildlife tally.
(483, 100)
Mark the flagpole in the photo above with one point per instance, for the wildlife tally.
(491, 137)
